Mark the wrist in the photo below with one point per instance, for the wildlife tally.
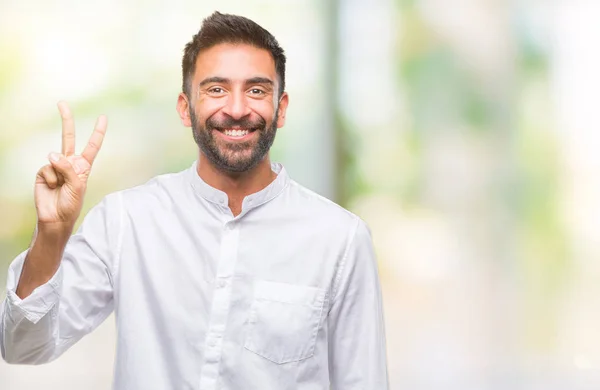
(54, 230)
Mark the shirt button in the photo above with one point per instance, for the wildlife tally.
(221, 283)
(212, 342)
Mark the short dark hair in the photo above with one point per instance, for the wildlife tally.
(224, 28)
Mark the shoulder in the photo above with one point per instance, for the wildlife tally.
(321, 210)
(158, 192)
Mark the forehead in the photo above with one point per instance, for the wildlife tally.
(234, 61)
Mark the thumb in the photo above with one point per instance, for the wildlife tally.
(64, 168)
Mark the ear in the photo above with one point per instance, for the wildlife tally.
(283, 104)
(183, 108)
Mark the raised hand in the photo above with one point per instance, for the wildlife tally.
(60, 186)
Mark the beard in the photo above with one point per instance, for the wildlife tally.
(233, 157)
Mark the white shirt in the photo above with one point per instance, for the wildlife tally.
(284, 296)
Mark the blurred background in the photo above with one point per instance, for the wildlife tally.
(463, 132)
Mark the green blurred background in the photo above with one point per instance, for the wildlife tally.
(464, 132)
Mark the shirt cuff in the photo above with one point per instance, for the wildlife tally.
(35, 306)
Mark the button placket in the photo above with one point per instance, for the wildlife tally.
(220, 306)
(221, 283)
(213, 341)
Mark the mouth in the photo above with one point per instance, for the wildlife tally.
(236, 134)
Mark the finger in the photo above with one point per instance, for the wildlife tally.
(49, 176)
(63, 168)
(68, 129)
(95, 143)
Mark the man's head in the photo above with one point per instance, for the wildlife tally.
(233, 91)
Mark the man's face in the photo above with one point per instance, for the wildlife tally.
(234, 107)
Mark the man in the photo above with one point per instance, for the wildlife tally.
(228, 275)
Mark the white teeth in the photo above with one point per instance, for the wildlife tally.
(236, 133)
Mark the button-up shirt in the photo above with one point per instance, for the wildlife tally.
(285, 295)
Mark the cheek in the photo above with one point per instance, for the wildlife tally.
(263, 108)
(205, 108)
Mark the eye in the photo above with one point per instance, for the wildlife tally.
(256, 91)
(216, 90)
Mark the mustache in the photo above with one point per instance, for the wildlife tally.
(230, 122)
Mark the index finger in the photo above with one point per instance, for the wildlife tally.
(68, 129)
(93, 146)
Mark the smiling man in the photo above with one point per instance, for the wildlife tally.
(228, 275)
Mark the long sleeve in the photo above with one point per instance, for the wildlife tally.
(357, 351)
(74, 301)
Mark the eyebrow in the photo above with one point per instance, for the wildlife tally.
(214, 79)
(223, 80)
(260, 80)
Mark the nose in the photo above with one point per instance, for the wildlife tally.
(237, 106)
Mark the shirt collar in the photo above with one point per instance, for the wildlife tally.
(219, 197)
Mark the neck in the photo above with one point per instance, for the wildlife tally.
(237, 185)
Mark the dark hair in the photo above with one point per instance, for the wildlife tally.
(224, 28)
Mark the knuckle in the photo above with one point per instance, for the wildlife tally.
(45, 170)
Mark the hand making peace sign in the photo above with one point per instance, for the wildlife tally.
(60, 186)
